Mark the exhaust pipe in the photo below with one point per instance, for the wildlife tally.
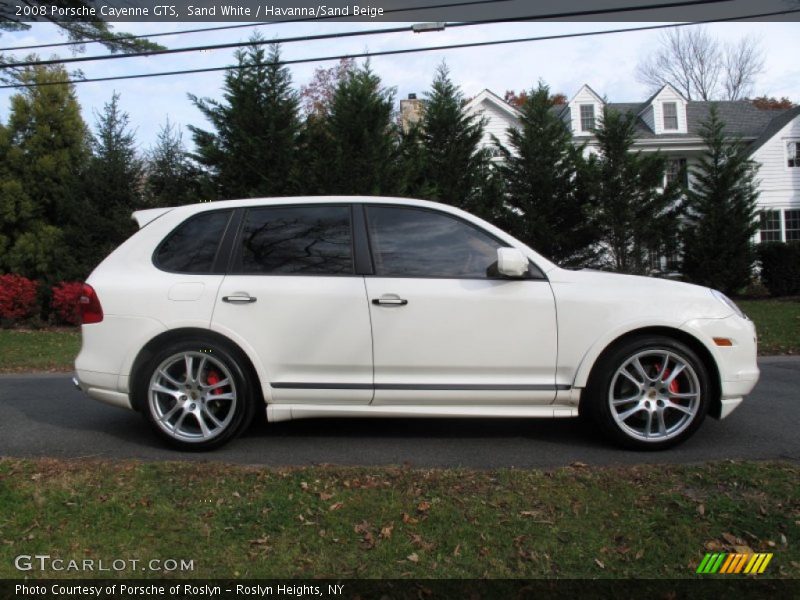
(76, 383)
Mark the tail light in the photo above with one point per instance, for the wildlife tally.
(91, 311)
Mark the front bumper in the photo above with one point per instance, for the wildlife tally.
(737, 364)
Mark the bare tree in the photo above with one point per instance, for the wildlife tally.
(743, 62)
(700, 67)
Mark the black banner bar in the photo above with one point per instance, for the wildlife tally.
(412, 11)
(739, 587)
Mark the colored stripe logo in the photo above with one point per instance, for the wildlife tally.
(728, 563)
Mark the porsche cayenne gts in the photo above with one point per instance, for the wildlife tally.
(360, 306)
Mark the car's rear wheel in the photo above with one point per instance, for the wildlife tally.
(649, 393)
(196, 395)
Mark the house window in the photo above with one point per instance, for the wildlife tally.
(587, 117)
(793, 152)
(771, 225)
(676, 171)
(792, 221)
(670, 115)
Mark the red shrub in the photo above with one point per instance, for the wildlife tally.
(66, 302)
(17, 297)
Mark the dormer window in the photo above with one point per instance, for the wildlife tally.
(670, 116)
(587, 117)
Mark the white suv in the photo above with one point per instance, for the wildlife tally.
(361, 306)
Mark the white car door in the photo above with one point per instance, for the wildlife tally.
(446, 328)
(292, 294)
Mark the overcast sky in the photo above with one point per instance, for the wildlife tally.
(605, 62)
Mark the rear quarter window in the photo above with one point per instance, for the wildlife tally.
(192, 246)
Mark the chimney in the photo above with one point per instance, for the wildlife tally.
(410, 112)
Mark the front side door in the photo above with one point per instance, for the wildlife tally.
(446, 328)
(293, 294)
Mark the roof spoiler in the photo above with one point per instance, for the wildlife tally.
(143, 217)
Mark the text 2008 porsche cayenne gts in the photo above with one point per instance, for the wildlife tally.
(361, 306)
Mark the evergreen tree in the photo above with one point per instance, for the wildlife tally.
(721, 217)
(413, 181)
(252, 150)
(635, 214)
(454, 159)
(546, 192)
(361, 137)
(172, 178)
(44, 148)
(114, 180)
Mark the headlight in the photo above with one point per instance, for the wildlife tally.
(728, 302)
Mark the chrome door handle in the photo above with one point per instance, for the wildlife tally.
(390, 301)
(239, 299)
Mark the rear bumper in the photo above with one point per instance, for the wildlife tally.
(96, 386)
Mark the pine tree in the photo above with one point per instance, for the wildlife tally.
(359, 154)
(546, 192)
(252, 150)
(636, 215)
(45, 147)
(172, 179)
(114, 181)
(721, 217)
(454, 159)
(413, 181)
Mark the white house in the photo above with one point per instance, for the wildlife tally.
(668, 122)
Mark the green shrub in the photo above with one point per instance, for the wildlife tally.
(780, 267)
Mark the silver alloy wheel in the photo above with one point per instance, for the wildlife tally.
(192, 396)
(654, 395)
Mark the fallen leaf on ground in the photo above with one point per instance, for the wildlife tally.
(413, 557)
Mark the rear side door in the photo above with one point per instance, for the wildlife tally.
(293, 294)
(446, 327)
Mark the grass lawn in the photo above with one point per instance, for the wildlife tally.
(38, 350)
(236, 521)
(777, 322)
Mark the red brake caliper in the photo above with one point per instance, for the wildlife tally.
(673, 386)
(213, 378)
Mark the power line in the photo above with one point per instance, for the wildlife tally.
(226, 27)
(346, 34)
(404, 50)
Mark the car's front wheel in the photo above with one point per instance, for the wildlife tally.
(196, 395)
(649, 393)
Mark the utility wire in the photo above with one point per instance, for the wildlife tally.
(226, 27)
(403, 51)
(346, 34)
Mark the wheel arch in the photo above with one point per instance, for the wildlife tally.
(183, 333)
(593, 358)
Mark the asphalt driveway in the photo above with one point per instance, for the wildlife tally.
(43, 415)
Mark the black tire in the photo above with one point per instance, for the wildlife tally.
(212, 365)
(657, 408)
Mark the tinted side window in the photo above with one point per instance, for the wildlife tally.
(303, 240)
(409, 242)
(191, 247)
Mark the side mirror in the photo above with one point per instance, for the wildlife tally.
(511, 262)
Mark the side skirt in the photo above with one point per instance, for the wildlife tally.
(287, 412)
